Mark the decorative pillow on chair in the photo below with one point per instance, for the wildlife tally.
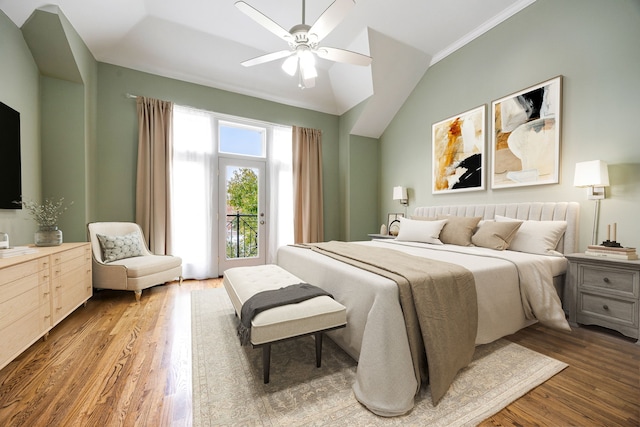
(495, 235)
(420, 231)
(537, 237)
(120, 247)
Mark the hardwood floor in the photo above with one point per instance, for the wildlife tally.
(118, 363)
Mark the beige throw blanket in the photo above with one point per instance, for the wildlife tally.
(438, 302)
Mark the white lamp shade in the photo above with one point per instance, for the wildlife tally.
(594, 173)
(399, 193)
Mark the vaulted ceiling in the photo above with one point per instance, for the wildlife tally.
(204, 42)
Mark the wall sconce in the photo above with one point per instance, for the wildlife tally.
(400, 193)
(595, 176)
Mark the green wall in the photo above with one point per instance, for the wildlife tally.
(593, 44)
(118, 127)
(363, 187)
(19, 89)
(359, 171)
(63, 151)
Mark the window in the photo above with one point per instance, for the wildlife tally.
(242, 139)
(195, 210)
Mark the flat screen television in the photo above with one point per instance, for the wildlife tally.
(10, 163)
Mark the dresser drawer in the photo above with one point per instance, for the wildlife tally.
(617, 310)
(70, 264)
(11, 290)
(11, 310)
(18, 271)
(616, 280)
(68, 255)
(21, 334)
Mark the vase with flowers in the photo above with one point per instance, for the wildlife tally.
(46, 215)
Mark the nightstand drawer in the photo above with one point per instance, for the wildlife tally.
(620, 281)
(603, 307)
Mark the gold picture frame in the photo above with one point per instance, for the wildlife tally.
(458, 145)
(525, 136)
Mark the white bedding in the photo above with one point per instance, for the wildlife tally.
(375, 334)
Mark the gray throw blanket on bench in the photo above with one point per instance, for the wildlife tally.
(265, 300)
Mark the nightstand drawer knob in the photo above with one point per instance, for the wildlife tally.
(606, 307)
(606, 280)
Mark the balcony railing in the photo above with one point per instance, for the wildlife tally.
(242, 235)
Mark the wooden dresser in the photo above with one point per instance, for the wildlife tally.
(39, 290)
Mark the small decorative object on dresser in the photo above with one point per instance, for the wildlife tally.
(4, 240)
(393, 220)
(46, 215)
(605, 291)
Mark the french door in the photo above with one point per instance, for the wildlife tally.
(242, 213)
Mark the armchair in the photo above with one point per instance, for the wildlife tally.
(133, 268)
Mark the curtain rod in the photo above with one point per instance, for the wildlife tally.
(219, 115)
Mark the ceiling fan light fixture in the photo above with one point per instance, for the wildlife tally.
(290, 65)
(306, 57)
(308, 72)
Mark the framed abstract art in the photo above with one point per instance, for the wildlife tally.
(525, 136)
(458, 152)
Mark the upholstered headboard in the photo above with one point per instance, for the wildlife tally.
(535, 211)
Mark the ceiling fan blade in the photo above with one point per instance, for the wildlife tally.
(263, 20)
(266, 58)
(330, 18)
(341, 55)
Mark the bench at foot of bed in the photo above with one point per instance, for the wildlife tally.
(311, 317)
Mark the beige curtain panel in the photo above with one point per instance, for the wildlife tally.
(153, 182)
(307, 185)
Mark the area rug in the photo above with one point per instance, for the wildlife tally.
(228, 388)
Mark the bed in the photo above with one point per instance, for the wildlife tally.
(376, 335)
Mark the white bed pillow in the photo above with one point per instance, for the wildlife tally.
(420, 231)
(537, 237)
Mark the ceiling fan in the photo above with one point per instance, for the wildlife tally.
(303, 42)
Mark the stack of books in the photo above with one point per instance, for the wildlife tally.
(16, 251)
(611, 252)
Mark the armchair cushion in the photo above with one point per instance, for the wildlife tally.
(146, 265)
(119, 247)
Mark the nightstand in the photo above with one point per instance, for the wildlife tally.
(605, 292)
(381, 236)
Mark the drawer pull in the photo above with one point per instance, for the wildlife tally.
(606, 280)
(606, 307)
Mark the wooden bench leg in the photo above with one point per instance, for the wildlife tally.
(266, 362)
(318, 348)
